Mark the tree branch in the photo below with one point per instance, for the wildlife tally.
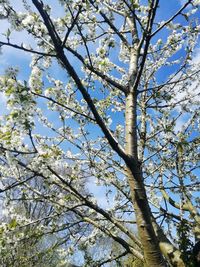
(172, 18)
(97, 72)
(27, 50)
(71, 71)
(64, 106)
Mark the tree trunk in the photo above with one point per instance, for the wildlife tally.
(152, 254)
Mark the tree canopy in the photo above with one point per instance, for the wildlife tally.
(99, 140)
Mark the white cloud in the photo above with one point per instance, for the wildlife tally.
(2, 97)
(196, 58)
(193, 90)
(99, 192)
(2, 104)
(180, 122)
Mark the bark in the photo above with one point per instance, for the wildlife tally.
(152, 253)
(171, 253)
(147, 235)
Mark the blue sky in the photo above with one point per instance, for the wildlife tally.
(18, 58)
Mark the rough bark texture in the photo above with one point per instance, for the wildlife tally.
(152, 254)
(147, 235)
(149, 241)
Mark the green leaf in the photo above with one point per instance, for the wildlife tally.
(14, 114)
(1, 230)
(9, 91)
(13, 223)
(5, 136)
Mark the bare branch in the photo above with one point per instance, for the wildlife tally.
(13, 185)
(172, 18)
(27, 50)
(72, 25)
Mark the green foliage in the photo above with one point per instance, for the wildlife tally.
(185, 244)
(13, 223)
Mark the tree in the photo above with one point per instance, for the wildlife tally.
(21, 230)
(122, 112)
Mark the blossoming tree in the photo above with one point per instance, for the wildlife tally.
(121, 113)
